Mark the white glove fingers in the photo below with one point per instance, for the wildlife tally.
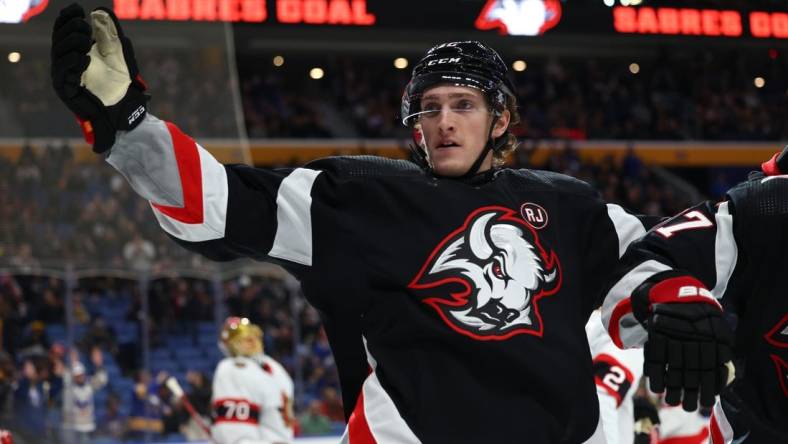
(105, 33)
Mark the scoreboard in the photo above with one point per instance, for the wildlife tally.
(762, 20)
(506, 17)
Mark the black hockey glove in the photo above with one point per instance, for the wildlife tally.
(689, 349)
(95, 74)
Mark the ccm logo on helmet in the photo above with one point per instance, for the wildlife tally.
(444, 60)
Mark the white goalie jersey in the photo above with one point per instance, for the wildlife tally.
(252, 402)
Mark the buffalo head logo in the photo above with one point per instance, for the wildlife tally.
(519, 17)
(778, 337)
(485, 278)
(16, 11)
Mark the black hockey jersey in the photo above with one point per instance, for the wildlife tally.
(455, 310)
(737, 248)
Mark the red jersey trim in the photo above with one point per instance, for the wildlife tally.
(623, 308)
(357, 426)
(772, 336)
(613, 361)
(699, 438)
(716, 434)
(253, 416)
(188, 158)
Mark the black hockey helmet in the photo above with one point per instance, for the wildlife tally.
(466, 63)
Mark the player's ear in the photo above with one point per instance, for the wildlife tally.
(418, 136)
(502, 123)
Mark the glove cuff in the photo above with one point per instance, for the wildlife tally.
(664, 290)
(777, 165)
(123, 116)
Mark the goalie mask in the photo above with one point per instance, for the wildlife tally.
(240, 337)
(470, 64)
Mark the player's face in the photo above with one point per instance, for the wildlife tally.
(455, 124)
(250, 345)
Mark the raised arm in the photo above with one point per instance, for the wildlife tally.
(223, 212)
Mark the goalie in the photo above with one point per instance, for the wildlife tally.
(252, 400)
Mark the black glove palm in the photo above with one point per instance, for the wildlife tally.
(95, 74)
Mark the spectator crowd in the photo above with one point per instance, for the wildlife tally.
(678, 94)
(674, 93)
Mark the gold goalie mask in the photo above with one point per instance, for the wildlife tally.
(240, 337)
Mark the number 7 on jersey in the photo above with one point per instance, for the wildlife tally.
(696, 220)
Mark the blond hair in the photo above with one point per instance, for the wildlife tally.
(510, 145)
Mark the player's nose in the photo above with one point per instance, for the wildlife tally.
(446, 121)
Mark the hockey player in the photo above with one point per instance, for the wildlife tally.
(678, 426)
(617, 374)
(452, 292)
(734, 253)
(252, 400)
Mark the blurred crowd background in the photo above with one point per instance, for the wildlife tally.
(670, 94)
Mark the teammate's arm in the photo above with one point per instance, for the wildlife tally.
(616, 375)
(665, 296)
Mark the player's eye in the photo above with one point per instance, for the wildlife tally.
(430, 110)
(466, 105)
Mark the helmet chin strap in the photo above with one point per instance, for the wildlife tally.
(490, 145)
(422, 154)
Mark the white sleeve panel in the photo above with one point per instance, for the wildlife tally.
(293, 240)
(628, 227)
(185, 185)
(213, 195)
(725, 250)
(624, 329)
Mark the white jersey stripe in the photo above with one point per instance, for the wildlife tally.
(628, 332)
(293, 239)
(720, 427)
(628, 227)
(385, 422)
(725, 250)
(599, 434)
(214, 201)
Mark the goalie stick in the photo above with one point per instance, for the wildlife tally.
(177, 392)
